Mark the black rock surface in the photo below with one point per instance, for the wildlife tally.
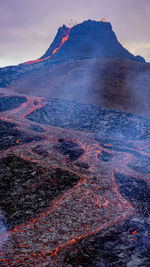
(26, 188)
(9, 103)
(69, 114)
(136, 191)
(105, 156)
(70, 148)
(10, 136)
(37, 128)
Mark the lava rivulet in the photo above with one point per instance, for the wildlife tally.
(86, 209)
(90, 206)
(64, 39)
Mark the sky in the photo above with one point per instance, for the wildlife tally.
(28, 27)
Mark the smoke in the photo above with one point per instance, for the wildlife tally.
(140, 91)
(79, 81)
(78, 77)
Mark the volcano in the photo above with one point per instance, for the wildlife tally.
(74, 155)
(85, 63)
(88, 40)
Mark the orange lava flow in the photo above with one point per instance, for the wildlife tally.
(90, 206)
(64, 39)
(78, 213)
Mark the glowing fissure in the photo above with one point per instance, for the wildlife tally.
(64, 39)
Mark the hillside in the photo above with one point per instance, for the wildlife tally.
(113, 83)
(87, 64)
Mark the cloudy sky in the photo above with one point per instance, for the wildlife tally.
(27, 27)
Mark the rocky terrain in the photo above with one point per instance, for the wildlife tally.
(75, 183)
(75, 154)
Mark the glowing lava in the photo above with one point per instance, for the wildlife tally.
(90, 206)
(64, 39)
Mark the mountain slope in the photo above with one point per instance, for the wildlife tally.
(87, 64)
(88, 40)
(92, 39)
(119, 84)
(62, 32)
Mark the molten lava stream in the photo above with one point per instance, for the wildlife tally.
(64, 39)
(88, 203)
(26, 108)
(90, 206)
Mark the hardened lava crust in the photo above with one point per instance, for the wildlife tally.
(75, 184)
